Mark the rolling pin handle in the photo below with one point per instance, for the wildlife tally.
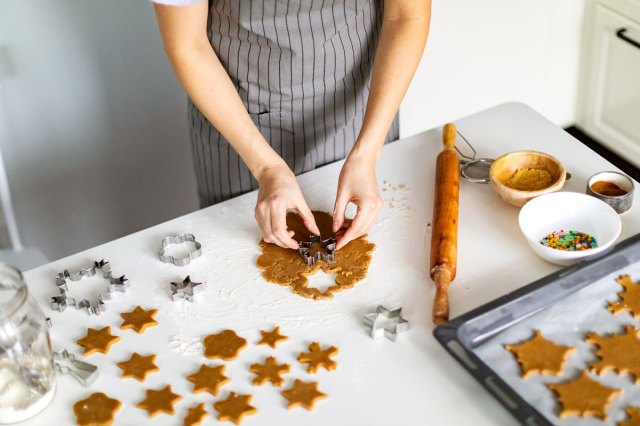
(449, 136)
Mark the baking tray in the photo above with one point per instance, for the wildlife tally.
(466, 332)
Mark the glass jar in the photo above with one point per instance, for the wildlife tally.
(27, 375)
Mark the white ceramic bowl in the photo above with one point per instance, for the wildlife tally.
(569, 211)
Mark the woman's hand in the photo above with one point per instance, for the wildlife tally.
(278, 192)
(357, 184)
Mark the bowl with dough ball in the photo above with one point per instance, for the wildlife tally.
(520, 176)
(565, 227)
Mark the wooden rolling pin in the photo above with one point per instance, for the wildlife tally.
(444, 236)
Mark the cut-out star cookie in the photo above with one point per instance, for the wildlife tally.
(97, 409)
(224, 345)
(97, 340)
(317, 357)
(633, 417)
(272, 337)
(304, 394)
(618, 352)
(195, 415)
(630, 297)
(208, 379)
(138, 319)
(269, 371)
(234, 407)
(584, 397)
(159, 401)
(540, 356)
(138, 366)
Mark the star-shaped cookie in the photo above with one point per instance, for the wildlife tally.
(208, 379)
(304, 394)
(272, 337)
(97, 340)
(138, 366)
(317, 357)
(630, 297)
(234, 407)
(97, 409)
(540, 356)
(138, 319)
(195, 415)
(225, 345)
(584, 397)
(269, 371)
(159, 401)
(618, 352)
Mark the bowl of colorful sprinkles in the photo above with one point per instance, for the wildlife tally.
(520, 176)
(564, 227)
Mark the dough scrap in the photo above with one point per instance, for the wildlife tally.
(96, 410)
(617, 352)
(630, 296)
(269, 371)
(272, 337)
(287, 268)
(138, 366)
(138, 319)
(159, 401)
(234, 408)
(97, 340)
(633, 419)
(540, 356)
(317, 357)
(225, 345)
(584, 397)
(208, 379)
(304, 394)
(195, 415)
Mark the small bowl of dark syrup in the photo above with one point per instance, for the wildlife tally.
(614, 188)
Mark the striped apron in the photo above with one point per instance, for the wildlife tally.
(302, 69)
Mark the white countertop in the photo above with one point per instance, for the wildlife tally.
(378, 382)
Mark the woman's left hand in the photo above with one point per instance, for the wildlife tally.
(357, 184)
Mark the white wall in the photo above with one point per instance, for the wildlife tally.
(93, 125)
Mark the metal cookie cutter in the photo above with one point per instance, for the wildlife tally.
(304, 248)
(186, 290)
(379, 321)
(83, 372)
(179, 239)
(62, 301)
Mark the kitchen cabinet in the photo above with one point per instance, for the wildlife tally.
(609, 99)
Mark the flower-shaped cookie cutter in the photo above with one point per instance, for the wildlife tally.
(179, 239)
(186, 290)
(379, 321)
(327, 254)
(62, 301)
(67, 363)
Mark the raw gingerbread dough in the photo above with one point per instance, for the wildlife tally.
(97, 410)
(286, 267)
(317, 357)
(618, 352)
(269, 371)
(208, 379)
(234, 408)
(540, 356)
(138, 366)
(584, 397)
(225, 345)
(138, 319)
(633, 418)
(97, 340)
(272, 337)
(195, 415)
(159, 401)
(630, 297)
(305, 394)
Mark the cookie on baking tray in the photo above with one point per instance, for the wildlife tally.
(96, 410)
(617, 352)
(584, 397)
(630, 297)
(539, 355)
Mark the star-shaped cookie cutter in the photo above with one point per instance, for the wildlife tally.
(62, 301)
(376, 319)
(67, 363)
(186, 290)
(179, 239)
(329, 244)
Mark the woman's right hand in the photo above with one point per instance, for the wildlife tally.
(278, 192)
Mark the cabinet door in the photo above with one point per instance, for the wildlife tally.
(612, 101)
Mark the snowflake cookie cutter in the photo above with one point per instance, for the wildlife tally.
(67, 363)
(186, 290)
(376, 321)
(329, 244)
(62, 301)
(179, 239)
